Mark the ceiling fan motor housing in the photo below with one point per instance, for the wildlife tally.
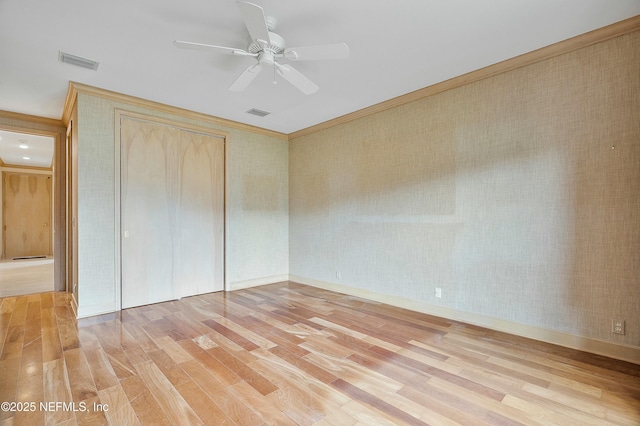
(275, 47)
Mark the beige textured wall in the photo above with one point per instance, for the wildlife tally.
(507, 193)
(256, 237)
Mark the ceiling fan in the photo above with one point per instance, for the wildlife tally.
(267, 47)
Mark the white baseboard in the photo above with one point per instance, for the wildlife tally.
(105, 308)
(92, 310)
(599, 347)
(238, 285)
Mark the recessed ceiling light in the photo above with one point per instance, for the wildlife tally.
(23, 146)
(26, 158)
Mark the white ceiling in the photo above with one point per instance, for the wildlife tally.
(396, 47)
(19, 149)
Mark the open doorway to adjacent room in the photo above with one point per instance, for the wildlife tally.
(27, 193)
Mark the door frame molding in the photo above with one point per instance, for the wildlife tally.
(118, 116)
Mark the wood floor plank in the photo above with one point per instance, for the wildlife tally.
(5, 318)
(203, 404)
(216, 368)
(19, 312)
(182, 327)
(294, 398)
(120, 362)
(68, 332)
(7, 305)
(88, 415)
(303, 365)
(193, 319)
(173, 350)
(235, 333)
(352, 372)
(33, 322)
(103, 375)
(376, 403)
(80, 378)
(286, 354)
(538, 413)
(169, 367)
(117, 408)
(57, 389)
(248, 374)
(143, 403)
(30, 379)
(137, 332)
(277, 332)
(301, 387)
(13, 342)
(51, 346)
(174, 406)
(580, 405)
(10, 373)
(233, 407)
(46, 300)
(30, 389)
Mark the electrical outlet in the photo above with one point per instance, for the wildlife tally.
(617, 326)
(438, 292)
(338, 275)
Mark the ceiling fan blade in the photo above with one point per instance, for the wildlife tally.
(256, 22)
(311, 53)
(245, 78)
(294, 77)
(211, 47)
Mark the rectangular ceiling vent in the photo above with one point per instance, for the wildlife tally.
(258, 112)
(78, 61)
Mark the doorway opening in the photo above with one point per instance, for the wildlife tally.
(27, 213)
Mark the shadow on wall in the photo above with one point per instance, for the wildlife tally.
(506, 193)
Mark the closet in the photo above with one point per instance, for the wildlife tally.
(171, 211)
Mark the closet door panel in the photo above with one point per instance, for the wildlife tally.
(147, 248)
(197, 232)
(216, 155)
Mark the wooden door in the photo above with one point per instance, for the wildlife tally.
(172, 212)
(26, 214)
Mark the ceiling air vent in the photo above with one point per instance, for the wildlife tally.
(258, 112)
(78, 61)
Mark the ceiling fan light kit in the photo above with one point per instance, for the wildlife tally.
(267, 47)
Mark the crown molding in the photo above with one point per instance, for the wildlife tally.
(578, 42)
(30, 118)
(69, 103)
(76, 88)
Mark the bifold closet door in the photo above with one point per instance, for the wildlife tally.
(172, 212)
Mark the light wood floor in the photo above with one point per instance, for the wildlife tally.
(25, 276)
(289, 354)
